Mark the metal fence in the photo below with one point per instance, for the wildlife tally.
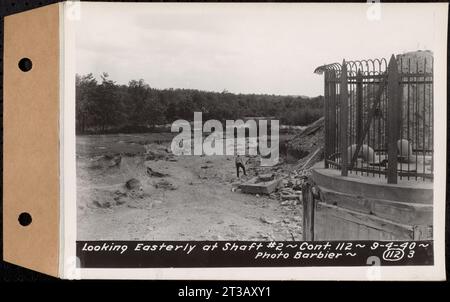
(379, 117)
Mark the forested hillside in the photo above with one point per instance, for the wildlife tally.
(106, 107)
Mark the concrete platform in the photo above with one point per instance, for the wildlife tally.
(359, 207)
(256, 186)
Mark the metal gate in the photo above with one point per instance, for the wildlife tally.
(379, 116)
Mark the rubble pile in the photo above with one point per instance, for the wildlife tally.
(304, 150)
(290, 190)
(306, 144)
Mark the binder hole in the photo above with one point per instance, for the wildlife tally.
(25, 219)
(25, 64)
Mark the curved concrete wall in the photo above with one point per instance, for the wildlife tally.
(374, 187)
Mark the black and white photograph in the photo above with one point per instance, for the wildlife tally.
(224, 141)
(136, 80)
(258, 123)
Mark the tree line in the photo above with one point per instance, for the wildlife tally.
(103, 106)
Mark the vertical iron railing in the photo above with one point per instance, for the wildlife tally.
(379, 117)
(393, 119)
(344, 120)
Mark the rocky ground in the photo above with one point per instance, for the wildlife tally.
(130, 187)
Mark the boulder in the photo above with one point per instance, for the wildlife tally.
(290, 196)
(101, 204)
(267, 220)
(104, 161)
(164, 184)
(152, 173)
(113, 160)
(133, 184)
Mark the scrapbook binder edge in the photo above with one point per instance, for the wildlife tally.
(31, 149)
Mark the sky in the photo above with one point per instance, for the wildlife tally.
(244, 48)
